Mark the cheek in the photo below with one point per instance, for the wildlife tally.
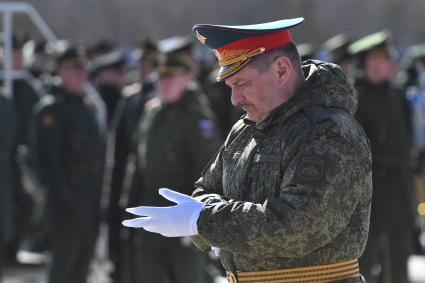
(80, 78)
(391, 68)
(168, 87)
(258, 94)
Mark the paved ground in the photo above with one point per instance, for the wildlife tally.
(38, 275)
(101, 268)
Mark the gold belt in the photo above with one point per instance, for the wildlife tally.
(316, 274)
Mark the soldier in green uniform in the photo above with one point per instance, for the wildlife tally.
(382, 113)
(176, 137)
(287, 198)
(68, 146)
(7, 131)
(337, 46)
(124, 123)
(26, 93)
(108, 75)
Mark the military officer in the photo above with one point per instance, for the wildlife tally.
(68, 146)
(7, 131)
(177, 136)
(382, 113)
(287, 198)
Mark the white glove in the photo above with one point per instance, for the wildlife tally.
(172, 221)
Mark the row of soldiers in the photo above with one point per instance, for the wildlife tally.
(159, 128)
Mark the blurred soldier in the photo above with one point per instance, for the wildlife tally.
(69, 148)
(180, 46)
(7, 131)
(218, 94)
(126, 116)
(337, 46)
(306, 51)
(287, 197)
(382, 114)
(415, 85)
(108, 72)
(26, 92)
(36, 58)
(99, 48)
(176, 137)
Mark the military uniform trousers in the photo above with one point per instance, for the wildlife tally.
(391, 228)
(168, 265)
(71, 256)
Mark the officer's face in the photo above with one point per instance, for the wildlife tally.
(256, 93)
(379, 67)
(171, 87)
(73, 78)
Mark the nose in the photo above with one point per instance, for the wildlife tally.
(236, 97)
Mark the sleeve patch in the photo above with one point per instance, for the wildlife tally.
(47, 120)
(207, 128)
(311, 170)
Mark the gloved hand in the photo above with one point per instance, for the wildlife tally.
(173, 221)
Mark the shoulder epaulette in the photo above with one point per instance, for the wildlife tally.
(152, 103)
(318, 113)
(132, 89)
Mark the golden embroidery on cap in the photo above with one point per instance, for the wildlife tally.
(228, 57)
(201, 38)
(232, 69)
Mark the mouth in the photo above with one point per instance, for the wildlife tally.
(245, 107)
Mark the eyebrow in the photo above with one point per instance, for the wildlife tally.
(236, 82)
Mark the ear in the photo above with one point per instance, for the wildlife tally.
(282, 67)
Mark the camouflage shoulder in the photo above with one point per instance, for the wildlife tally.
(335, 121)
(323, 118)
(132, 89)
(318, 114)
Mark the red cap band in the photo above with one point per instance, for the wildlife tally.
(268, 41)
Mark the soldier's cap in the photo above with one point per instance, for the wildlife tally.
(173, 65)
(71, 57)
(416, 52)
(235, 46)
(99, 48)
(377, 43)
(112, 60)
(148, 50)
(176, 45)
(337, 46)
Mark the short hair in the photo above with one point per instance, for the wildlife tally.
(263, 61)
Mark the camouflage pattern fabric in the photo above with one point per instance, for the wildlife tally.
(294, 190)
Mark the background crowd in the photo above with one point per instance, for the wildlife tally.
(91, 130)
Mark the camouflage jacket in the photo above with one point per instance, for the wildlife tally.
(295, 189)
